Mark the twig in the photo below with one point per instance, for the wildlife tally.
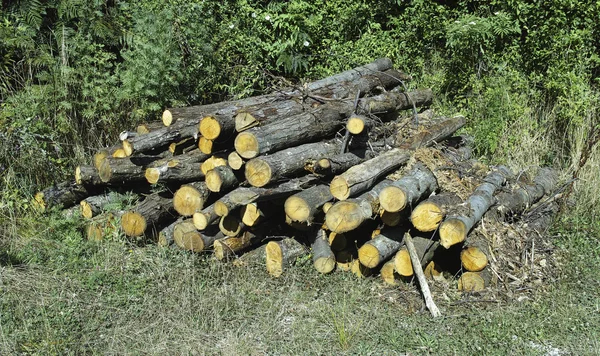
(418, 270)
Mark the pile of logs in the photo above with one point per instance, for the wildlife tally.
(330, 168)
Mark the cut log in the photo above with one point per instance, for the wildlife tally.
(231, 247)
(212, 163)
(174, 171)
(347, 215)
(252, 258)
(428, 214)
(94, 205)
(391, 219)
(221, 179)
(357, 124)
(282, 254)
(166, 235)
(243, 196)
(304, 206)
(183, 146)
(323, 257)
(360, 270)
(394, 101)
(161, 138)
(454, 228)
(154, 210)
(475, 281)
(190, 198)
(253, 213)
(188, 238)
(65, 195)
(115, 152)
(288, 163)
(425, 248)
(388, 273)
(328, 166)
(205, 145)
(432, 272)
(202, 219)
(473, 259)
(125, 170)
(145, 128)
(418, 183)
(235, 161)
(214, 127)
(231, 225)
(87, 175)
(381, 248)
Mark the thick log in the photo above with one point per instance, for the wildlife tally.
(394, 101)
(125, 170)
(65, 195)
(147, 127)
(288, 163)
(425, 248)
(473, 259)
(475, 281)
(247, 195)
(195, 113)
(180, 169)
(363, 176)
(231, 247)
(282, 254)
(418, 183)
(147, 215)
(188, 238)
(221, 179)
(347, 215)
(259, 114)
(190, 198)
(454, 228)
(252, 258)
(381, 248)
(87, 175)
(323, 257)
(428, 215)
(207, 216)
(304, 206)
(235, 161)
(166, 236)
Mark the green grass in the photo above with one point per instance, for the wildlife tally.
(64, 295)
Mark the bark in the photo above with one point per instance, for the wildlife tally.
(305, 205)
(87, 175)
(283, 254)
(394, 101)
(161, 138)
(232, 247)
(188, 238)
(166, 236)
(328, 166)
(125, 170)
(147, 215)
(202, 219)
(418, 183)
(381, 248)
(428, 215)
(347, 215)
(94, 205)
(252, 258)
(145, 128)
(243, 196)
(221, 179)
(323, 257)
(115, 152)
(455, 228)
(65, 195)
(190, 198)
(288, 163)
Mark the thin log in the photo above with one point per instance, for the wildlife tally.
(454, 228)
(96, 204)
(235, 161)
(87, 175)
(418, 270)
(207, 216)
(282, 254)
(288, 163)
(425, 248)
(328, 166)
(428, 215)
(323, 257)
(231, 247)
(161, 138)
(188, 238)
(166, 236)
(147, 215)
(475, 281)
(180, 170)
(212, 163)
(190, 198)
(145, 128)
(381, 248)
(125, 170)
(304, 206)
(221, 179)
(418, 183)
(357, 124)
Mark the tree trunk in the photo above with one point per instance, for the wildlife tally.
(149, 213)
(202, 219)
(428, 214)
(190, 198)
(282, 254)
(339, 163)
(419, 182)
(455, 228)
(288, 163)
(323, 257)
(179, 169)
(221, 179)
(304, 206)
(381, 248)
(94, 205)
(347, 215)
(394, 101)
(145, 128)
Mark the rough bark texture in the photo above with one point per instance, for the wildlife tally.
(282, 254)
(125, 170)
(161, 138)
(288, 163)
(347, 215)
(428, 215)
(174, 171)
(221, 179)
(166, 235)
(328, 166)
(418, 183)
(323, 257)
(380, 248)
(304, 206)
(87, 175)
(65, 195)
(149, 213)
(455, 228)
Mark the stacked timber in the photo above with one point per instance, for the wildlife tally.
(332, 170)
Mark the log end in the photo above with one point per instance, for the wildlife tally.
(432, 272)
(246, 145)
(473, 259)
(212, 163)
(337, 242)
(235, 161)
(402, 263)
(343, 216)
(152, 175)
(274, 259)
(133, 224)
(221, 208)
(105, 171)
(187, 200)
(187, 237)
(392, 199)
(99, 157)
(339, 188)
(258, 172)
(210, 127)
(324, 264)
(200, 221)
(388, 273)
(471, 282)
(78, 179)
(355, 125)
(244, 121)
(426, 217)
(205, 145)
(297, 209)
(452, 232)
(127, 148)
(368, 255)
(251, 214)
(120, 153)
(86, 209)
(167, 118)
(213, 181)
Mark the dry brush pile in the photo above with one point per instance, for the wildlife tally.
(329, 169)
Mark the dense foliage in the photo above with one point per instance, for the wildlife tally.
(74, 72)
